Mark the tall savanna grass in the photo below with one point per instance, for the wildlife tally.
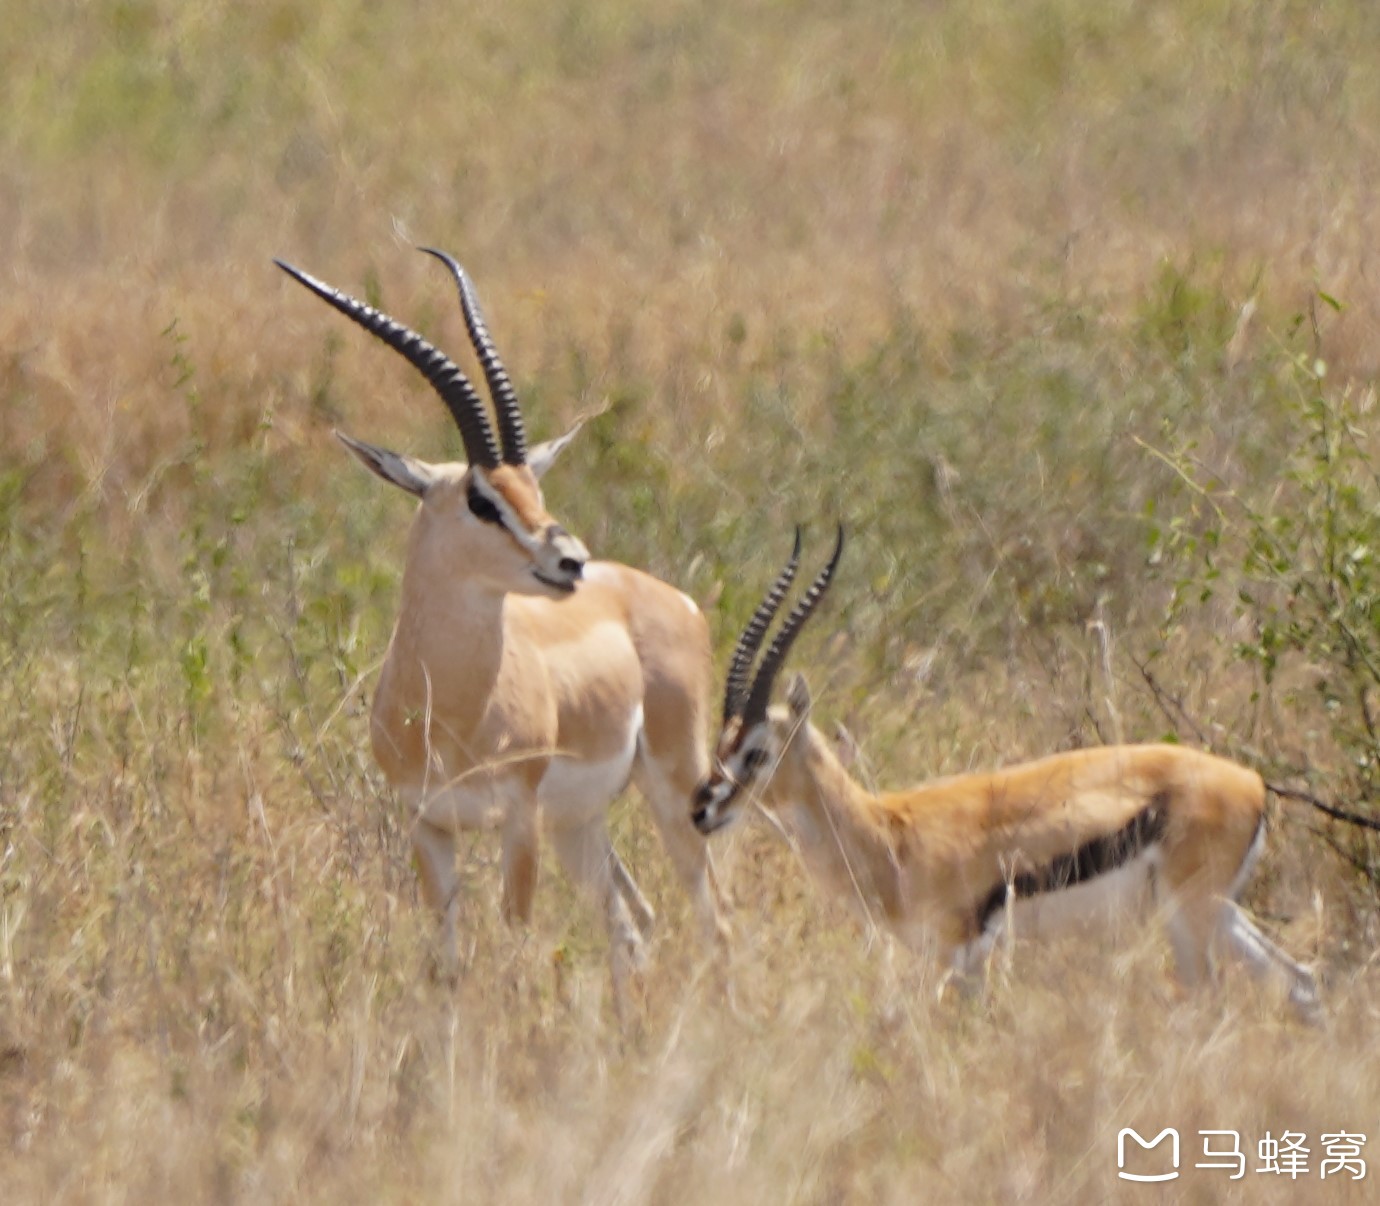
(1019, 292)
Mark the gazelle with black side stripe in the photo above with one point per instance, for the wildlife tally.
(954, 861)
(523, 680)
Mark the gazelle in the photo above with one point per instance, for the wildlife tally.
(953, 862)
(523, 680)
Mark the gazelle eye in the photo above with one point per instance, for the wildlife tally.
(483, 509)
(754, 758)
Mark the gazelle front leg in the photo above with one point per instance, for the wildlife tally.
(433, 849)
(589, 859)
(520, 860)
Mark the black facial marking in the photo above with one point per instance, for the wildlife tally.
(1095, 857)
(483, 508)
(754, 758)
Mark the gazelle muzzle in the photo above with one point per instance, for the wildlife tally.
(710, 811)
(560, 560)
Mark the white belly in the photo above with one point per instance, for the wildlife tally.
(1103, 901)
(570, 792)
(573, 791)
(1123, 892)
(477, 805)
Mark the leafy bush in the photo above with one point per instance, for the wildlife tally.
(1299, 550)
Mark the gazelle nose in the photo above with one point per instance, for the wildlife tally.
(571, 567)
(573, 552)
(703, 812)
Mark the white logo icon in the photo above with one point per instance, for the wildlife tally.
(1125, 1133)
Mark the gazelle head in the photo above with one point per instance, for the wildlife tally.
(485, 518)
(755, 739)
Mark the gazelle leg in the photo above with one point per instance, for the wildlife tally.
(588, 858)
(1249, 947)
(642, 912)
(520, 862)
(433, 849)
(689, 853)
(1199, 929)
(968, 967)
(1190, 927)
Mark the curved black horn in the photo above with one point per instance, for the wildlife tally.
(445, 376)
(756, 707)
(736, 690)
(510, 427)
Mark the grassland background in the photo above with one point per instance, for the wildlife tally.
(948, 271)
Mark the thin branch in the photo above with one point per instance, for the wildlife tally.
(1170, 705)
(1337, 814)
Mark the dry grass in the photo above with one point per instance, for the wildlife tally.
(931, 268)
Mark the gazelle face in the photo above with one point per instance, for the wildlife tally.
(497, 520)
(743, 763)
(755, 762)
(754, 751)
(490, 524)
(486, 520)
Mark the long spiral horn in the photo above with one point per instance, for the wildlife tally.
(736, 690)
(756, 707)
(445, 376)
(511, 431)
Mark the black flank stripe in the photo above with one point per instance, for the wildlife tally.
(1095, 857)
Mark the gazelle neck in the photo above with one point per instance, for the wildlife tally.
(437, 575)
(450, 626)
(836, 823)
(445, 662)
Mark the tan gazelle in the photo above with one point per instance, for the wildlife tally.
(526, 684)
(953, 862)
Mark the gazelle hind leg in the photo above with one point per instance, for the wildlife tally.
(1248, 946)
(1190, 937)
(588, 858)
(969, 966)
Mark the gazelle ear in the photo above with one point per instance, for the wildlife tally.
(414, 476)
(540, 458)
(846, 747)
(798, 697)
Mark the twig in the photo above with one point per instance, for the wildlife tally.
(1175, 711)
(1337, 814)
(1172, 707)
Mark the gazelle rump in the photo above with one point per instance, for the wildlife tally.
(954, 861)
(525, 684)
